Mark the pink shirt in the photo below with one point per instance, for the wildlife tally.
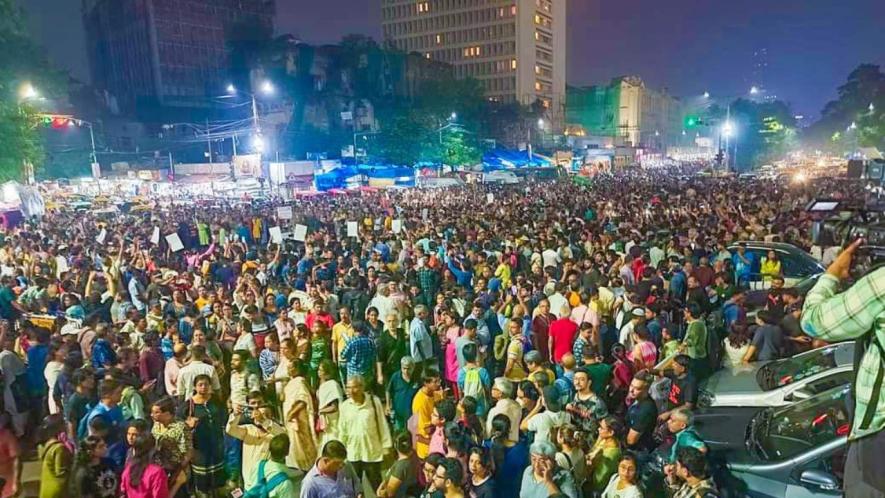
(153, 483)
(437, 440)
(452, 335)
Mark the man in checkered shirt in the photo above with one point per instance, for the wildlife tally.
(849, 315)
(359, 354)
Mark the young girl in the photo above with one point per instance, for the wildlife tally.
(624, 484)
(142, 478)
(93, 476)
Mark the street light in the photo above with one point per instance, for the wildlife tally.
(754, 90)
(871, 107)
(28, 92)
(258, 143)
(706, 95)
(267, 88)
(231, 89)
(853, 126)
(727, 129)
(454, 116)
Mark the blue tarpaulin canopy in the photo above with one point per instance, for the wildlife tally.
(507, 159)
(376, 175)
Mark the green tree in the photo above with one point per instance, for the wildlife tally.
(22, 62)
(865, 85)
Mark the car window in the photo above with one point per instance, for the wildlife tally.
(829, 382)
(784, 372)
(786, 432)
(796, 266)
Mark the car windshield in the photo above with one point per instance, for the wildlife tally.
(786, 432)
(784, 372)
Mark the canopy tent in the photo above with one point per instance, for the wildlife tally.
(372, 175)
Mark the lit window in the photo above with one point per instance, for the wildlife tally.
(537, 35)
(537, 70)
(438, 39)
(512, 63)
(537, 19)
(427, 55)
(538, 85)
(513, 10)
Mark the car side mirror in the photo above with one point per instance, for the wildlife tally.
(820, 479)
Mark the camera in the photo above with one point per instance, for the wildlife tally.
(839, 223)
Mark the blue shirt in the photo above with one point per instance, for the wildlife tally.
(114, 417)
(420, 344)
(345, 484)
(36, 364)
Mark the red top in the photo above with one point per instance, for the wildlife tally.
(562, 332)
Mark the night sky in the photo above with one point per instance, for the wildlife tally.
(688, 46)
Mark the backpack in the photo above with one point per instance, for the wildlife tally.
(263, 487)
(473, 384)
(83, 424)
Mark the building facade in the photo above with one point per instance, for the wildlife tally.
(166, 52)
(516, 48)
(629, 111)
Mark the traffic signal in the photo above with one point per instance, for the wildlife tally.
(691, 121)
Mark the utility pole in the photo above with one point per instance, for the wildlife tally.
(208, 141)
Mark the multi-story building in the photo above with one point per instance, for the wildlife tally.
(627, 110)
(168, 53)
(516, 48)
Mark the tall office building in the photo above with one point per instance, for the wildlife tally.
(170, 53)
(516, 48)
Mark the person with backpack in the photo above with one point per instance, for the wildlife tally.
(474, 380)
(274, 479)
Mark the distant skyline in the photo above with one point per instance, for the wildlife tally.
(687, 46)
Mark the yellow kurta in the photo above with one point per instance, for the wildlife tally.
(302, 445)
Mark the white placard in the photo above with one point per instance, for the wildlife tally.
(101, 236)
(61, 264)
(353, 229)
(276, 235)
(155, 237)
(300, 234)
(424, 214)
(490, 198)
(284, 212)
(397, 226)
(174, 242)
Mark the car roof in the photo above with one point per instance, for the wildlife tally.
(783, 246)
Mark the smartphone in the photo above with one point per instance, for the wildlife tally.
(237, 493)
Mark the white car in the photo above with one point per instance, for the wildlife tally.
(502, 177)
(780, 382)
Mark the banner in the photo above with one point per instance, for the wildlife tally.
(247, 166)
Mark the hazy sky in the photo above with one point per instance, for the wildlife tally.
(688, 46)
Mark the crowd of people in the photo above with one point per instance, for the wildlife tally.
(538, 340)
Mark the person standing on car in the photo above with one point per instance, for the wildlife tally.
(858, 312)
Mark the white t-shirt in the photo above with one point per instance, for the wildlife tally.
(551, 258)
(611, 491)
(245, 342)
(543, 422)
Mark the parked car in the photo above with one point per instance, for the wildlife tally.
(794, 451)
(780, 382)
(501, 177)
(796, 264)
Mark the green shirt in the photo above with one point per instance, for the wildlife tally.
(850, 315)
(695, 340)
